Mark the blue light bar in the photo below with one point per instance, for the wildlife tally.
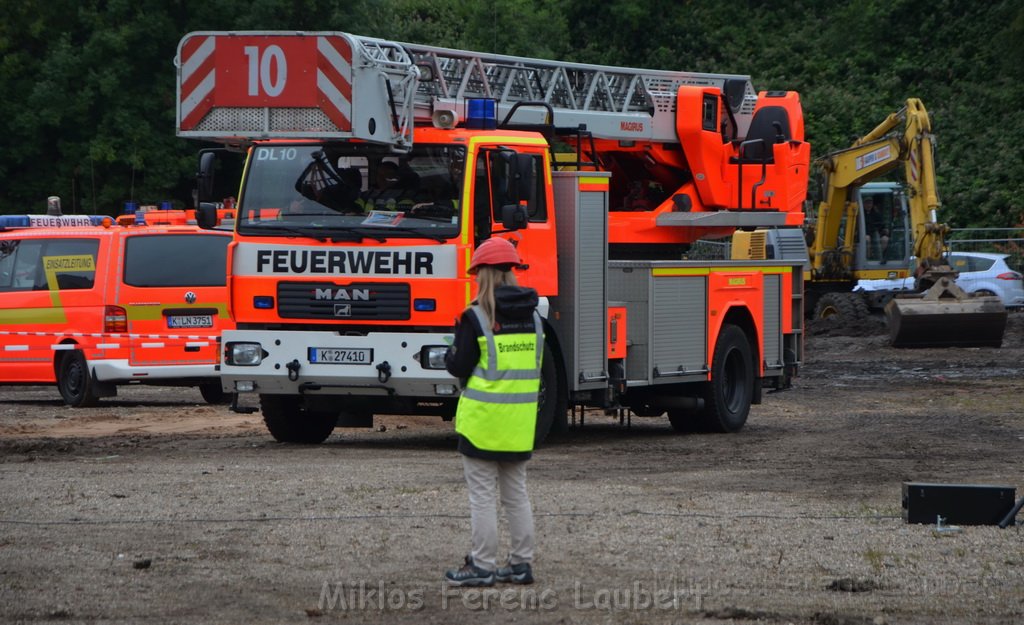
(14, 221)
(263, 302)
(481, 114)
(50, 221)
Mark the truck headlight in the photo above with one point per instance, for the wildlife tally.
(244, 354)
(432, 356)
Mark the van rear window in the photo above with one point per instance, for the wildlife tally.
(176, 260)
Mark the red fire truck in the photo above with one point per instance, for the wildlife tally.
(375, 167)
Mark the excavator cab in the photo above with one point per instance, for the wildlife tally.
(884, 238)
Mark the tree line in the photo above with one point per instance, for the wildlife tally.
(89, 86)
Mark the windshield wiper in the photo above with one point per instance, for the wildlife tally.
(426, 233)
(361, 232)
(336, 234)
(274, 228)
(319, 233)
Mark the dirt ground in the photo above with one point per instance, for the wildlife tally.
(154, 507)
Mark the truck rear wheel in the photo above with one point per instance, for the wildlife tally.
(74, 381)
(728, 395)
(288, 421)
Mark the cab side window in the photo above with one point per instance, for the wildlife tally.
(481, 200)
(493, 189)
(537, 199)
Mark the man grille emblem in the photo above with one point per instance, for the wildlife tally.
(190, 297)
(343, 310)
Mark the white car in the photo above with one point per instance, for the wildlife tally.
(983, 273)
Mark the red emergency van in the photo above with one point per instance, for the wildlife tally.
(90, 303)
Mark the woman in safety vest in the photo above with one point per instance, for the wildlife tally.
(497, 352)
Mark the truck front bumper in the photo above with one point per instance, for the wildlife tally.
(378, 364)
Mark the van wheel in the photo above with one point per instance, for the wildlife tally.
(288, 421)
(74, 381)
(729, 393)
(213, 394)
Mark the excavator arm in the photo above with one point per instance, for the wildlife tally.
(904, 137)
(941, 314)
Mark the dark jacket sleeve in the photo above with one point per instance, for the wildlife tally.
(464, 353)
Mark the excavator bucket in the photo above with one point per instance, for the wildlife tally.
(945, 316)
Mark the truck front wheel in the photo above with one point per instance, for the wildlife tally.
(551, 402)
(288, 421)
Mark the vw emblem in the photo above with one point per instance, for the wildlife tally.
(190, 297)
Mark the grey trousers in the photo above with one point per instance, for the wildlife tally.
(484, 478)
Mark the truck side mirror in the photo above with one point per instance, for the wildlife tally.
(514, 216)
(206, 215)
(204, 177)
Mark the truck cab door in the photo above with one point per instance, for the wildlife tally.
(512, 199)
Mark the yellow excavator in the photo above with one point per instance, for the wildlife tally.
(866, 230)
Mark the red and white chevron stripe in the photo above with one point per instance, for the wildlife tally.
(334, 80)
(914, 166)
(198, 79)
(215, 68)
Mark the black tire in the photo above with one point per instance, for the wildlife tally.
(213, 393)
(551, 402)
(843, 306)
(729, 393)
(74, 382)
(288, 421)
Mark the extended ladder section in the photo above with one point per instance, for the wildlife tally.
(241, 86)
(613, 102)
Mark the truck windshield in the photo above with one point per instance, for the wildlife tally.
(350, 191)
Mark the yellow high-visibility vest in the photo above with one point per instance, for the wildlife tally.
(498, 408)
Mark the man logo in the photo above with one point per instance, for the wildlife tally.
(343, 310)
(190, 297)
(340, 293)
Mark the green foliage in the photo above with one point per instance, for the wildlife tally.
(88, 112)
